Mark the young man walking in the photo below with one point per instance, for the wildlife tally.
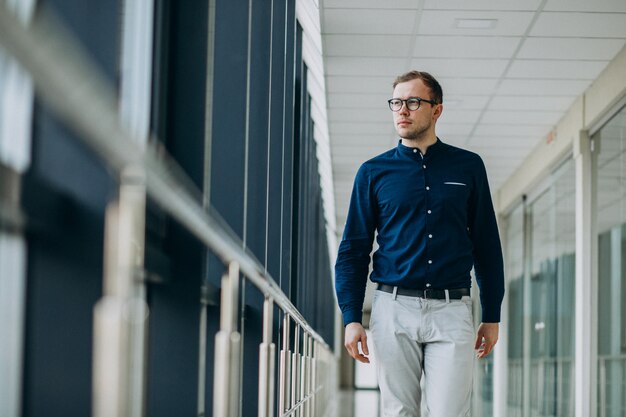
(431, 207)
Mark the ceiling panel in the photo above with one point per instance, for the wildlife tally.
(459, 116)
(367, 45)
(369, 21)
(337, 128)
(543, 88)
(560, 104)
(370, 4)
(465, 46)
(464, 102)
(570, 48)
(456, 67)
(471, 86)
(383, 67)
(361, 115)
(501, 130)
(440, 22)
(513, 144)
(586, 5)
(454, 129)
(355, 84)
(359, 100)
(581, 25)
(561, 70)
(482, 4)
(521, 117)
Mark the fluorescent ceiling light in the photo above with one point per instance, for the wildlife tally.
(476, 23)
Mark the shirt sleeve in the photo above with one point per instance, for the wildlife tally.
(488, 262)
(352, 266)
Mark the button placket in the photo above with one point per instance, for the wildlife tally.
(428, 212)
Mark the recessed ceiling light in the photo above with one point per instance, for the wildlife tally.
(476, 23)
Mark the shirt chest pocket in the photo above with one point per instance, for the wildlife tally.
(455, 195)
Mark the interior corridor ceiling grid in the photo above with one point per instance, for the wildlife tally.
(509, 69)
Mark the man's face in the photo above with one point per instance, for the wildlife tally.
(415, 124)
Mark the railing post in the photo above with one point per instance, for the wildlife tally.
(285, 369)
(602, 389)
(267, 351)
(310, 373)
(304, 389)
(295, 369)
(120, 317)
(227, 347)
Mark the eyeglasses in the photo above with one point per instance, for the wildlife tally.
(412, 103)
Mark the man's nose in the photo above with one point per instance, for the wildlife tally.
(404, 109)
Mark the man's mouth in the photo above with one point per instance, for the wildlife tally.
(403, 122)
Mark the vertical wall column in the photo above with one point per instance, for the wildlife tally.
(16, 104)
(586, 286)
(528, 229)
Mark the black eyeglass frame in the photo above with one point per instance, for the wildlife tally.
(412, 104)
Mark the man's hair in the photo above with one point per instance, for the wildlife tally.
(427, 79)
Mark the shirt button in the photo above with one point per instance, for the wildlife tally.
(430, 261)
(429, 211)
(427, 188)
(430, 236)
(428, 285)
(414, 150)
(424, 166)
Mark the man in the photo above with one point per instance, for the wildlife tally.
(431, 206)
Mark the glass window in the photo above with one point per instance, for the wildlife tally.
(514, 257)
(552, 285)
(611, 212)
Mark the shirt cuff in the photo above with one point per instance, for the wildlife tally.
(491, 314)
(352, 316)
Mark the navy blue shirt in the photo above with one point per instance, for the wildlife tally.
(435, 220)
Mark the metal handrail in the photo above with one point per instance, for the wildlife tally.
(65, 80)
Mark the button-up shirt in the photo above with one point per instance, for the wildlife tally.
(434, 220)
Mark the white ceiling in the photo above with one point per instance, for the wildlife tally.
(505, 87)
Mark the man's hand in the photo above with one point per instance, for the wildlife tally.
(486, 338)
(355, 334)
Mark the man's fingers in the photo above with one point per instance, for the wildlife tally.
(353, 350)
(362, 358)
(364, 345)
(479, 341)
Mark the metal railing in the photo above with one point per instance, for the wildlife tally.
(552, 382)
(552, 387)
(305, 368)
(611, 385)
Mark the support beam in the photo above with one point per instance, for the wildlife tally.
(586, 285)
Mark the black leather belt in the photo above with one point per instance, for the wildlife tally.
(455, 294)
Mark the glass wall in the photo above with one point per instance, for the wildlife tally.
(541, 287)
(514, 255)
(611, 215)
(552, 287)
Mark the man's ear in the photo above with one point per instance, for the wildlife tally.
(438, 111)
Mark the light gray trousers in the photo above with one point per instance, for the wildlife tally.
(413, 337)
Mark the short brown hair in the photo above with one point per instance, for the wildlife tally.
(427, 79)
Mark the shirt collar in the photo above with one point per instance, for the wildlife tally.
(432, 149)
